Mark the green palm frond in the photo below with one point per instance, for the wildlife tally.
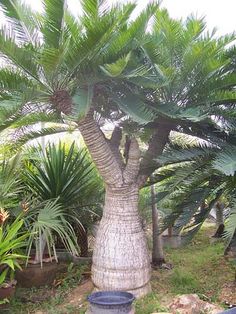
(198, 219)
(12, 80)
(175, 155)
(92, 8)
(19, 56)
(28, 134)
(10, 183)
(134, 106)
(34, 118)
(225, 161)
(9, 116)
(191, 180)
(22, 19)
(53, 27)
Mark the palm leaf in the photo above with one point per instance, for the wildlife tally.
(225, 161)
(53, 22)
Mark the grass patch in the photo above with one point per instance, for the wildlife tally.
(183, 282)
(199, 267)
(148, 304)
(48, 298)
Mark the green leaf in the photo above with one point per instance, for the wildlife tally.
(82, 101)
(116, 69)
(134, 107)
(9, 262)
(193, 114)
(53, 23)
(225, 162)
(3, 276)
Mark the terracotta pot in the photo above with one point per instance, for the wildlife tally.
(35, 276)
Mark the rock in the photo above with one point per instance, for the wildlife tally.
(192, 304)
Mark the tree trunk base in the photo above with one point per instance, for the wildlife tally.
(121, 259)
(158, 262)
(138, 293)
(220, 231)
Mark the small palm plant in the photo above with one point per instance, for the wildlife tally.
(68, 177)
(45, 221)
(65, 174)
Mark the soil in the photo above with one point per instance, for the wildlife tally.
(228, 294)
(78, 296)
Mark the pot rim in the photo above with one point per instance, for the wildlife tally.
(97, 298)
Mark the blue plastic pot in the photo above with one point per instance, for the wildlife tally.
(231, 311)
(111, 302)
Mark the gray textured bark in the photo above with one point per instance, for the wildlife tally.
(157, 249)
(120, 258)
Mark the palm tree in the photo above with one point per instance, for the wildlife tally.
(66, 66)
(101, 64)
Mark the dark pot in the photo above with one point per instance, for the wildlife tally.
(6, 293)
(111, 302)
(64, 256)
(35, 276)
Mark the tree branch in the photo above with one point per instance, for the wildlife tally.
(114, 143)
(156, 146)
(116, 137)
(126, 148)
(132, 167)
(100, 151)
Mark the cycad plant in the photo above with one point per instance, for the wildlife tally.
(194, 178)
(103, 63)
(68, 65)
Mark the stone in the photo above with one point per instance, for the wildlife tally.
(192, 304)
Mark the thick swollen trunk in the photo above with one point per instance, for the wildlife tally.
(157, 249)
(120, 258)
